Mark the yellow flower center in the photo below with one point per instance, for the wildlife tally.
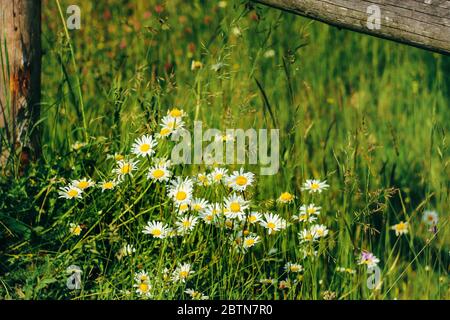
(118, 157)
(311, 210)
(252, 219)
(156, 232)
(144, 287)
(186, 223)
(295, 268)
(171, 124)
(158, 173)
(241, 181)
(184, 274)
(401, 226)
(181, 195)
(209, 217)
(235, 207)
(249, 242)
(145, 147)
(176, 113)
(164, 132)
(308, 236)
(197, 207)
(320, 232)
(72, 193)
(271, 225)
(83, 185)
(108, 185)
(183, 206)
(218, 177)
(76, 231)
(126, 168)
(286, 196)
(315, 186)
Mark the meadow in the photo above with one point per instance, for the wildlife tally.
(359, 208)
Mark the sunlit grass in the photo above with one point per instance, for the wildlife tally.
(368, 116)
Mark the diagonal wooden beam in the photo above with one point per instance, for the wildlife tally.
(420, 23)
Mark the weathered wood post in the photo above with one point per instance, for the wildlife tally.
(421, 23)
(20, 41)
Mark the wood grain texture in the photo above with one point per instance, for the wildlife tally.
(20, 38)
(420, 23)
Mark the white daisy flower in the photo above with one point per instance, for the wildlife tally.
(304, 217)
(254, 217)
(234, 207)
(143, 289)
(142, 284)
(107, 185)
(182, 272)
(310, 209)
(144, 146)
(273, 223)
(430, 217)
(183, 207)
(198, 205)
(125, 168)
(320, 230)
(400, 228)
(83, 184)
(141, 276)
(250, 241)
(240, 180)
(75, 229)
(70, 192)
(186, 223)
(170, 125)
(315, 186)
(203, 179)
(293, 267)
(162, 162)
(155, 228)
(181, 190)
(196, 295)
(211, 213)
(159, 173)
(308, 235)
(218, 175)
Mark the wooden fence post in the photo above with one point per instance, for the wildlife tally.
(20, 75)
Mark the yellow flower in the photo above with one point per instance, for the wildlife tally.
(286, 197)
(400, 228)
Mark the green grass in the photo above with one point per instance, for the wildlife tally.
(369, 116)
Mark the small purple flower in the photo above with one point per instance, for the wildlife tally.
(369, 259)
